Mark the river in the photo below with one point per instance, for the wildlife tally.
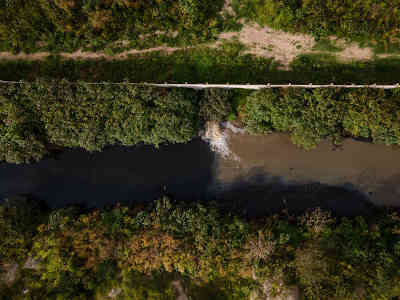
(270, 174)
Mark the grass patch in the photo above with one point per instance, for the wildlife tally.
(325, 68)
(326, 45)
(387, 49)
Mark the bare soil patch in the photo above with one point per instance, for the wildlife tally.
(179, 290)
(269, 43)
(85, 55)
(353, 51)
(10, 273)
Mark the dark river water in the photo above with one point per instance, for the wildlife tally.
(117, 174)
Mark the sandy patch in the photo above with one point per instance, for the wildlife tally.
(10, 273)
(84, 55)
(217, 138)
(269, 43)
(179, 290)
(24, 56)
(32, 263)
(388, 55)
(114, 293)
(95, 55)
(353, 51)
(228, 8)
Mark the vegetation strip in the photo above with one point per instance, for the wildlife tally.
(75, 254)
(40, 117)
(238, 86)
(227, 64)
(114, 26)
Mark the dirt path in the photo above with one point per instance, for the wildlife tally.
(372, 169)
(265, 42)
(83, 55)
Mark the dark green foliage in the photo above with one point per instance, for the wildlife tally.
(360, 19)
(65, 25)
(36, 115)
(217, 104)
(314, 114)
(21, 134)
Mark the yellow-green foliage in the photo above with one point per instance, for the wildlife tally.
(82, 255)
(69, 24)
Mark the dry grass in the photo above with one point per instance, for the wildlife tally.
(262, 246)
(316, 221)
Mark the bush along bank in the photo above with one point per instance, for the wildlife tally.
(41, 116)
(137, 251)
(310, 115)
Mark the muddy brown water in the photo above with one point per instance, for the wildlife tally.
(371, 171)
(271, 174)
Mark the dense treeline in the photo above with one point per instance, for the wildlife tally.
(73, 254)
(360, 19)
(310, 115)
(39, 117)
(36, 115)
(65, 25)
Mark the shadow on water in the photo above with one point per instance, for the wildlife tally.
(260, 194)
(131, 175)
(117, 174)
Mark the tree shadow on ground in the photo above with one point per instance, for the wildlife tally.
(213, 66)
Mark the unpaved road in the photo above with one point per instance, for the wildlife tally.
(260, 41)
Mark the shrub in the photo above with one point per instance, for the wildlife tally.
(20, 128)
(217, 104)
